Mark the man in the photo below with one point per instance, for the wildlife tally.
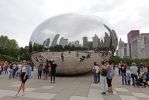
(62, 56)
(134, 73)
(53, 71)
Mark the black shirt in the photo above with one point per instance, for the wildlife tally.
(53, 67)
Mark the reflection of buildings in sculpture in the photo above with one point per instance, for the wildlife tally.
(63, 42)
(74, 43)
(90, 44)
(85, 42)
(95, 41)
(140, 47)
(106, 40)
(77, 43)
(54, 42)
(114, 40)
(46, 43)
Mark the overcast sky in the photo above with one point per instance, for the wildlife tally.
(19, 18)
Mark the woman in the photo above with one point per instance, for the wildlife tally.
(110, 75)
(46, 70)
(103, 77)
(96, 73)
(24, 78)
(40, 70)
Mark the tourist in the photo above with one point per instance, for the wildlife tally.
(134, 72)
(46, 70)
(0, 70)
(11, 71)
(5, 67)
(119, 68)
(110, 75)
(24, 77)
(103, 78)
(53, 71)
(40, 70)
(96, 72)
(128, 76)
(123, 73)
(19, 70)
(28, 70)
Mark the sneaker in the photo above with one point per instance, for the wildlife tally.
(103, 93)
(23, 94)
(16, 95)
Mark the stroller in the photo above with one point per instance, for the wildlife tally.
(143, 80)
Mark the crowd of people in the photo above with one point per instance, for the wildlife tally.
(13, 69)
(104, 73)
(137, 75)
(48, 68)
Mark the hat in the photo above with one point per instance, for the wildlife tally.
(133, 63)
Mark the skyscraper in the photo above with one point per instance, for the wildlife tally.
(85, 42)
(54, 42)
(132, 34)
(63, 42)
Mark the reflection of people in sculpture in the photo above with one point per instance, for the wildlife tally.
(77, 54)
(62, 56)
(88, 56)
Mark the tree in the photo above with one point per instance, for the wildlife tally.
(30, 47)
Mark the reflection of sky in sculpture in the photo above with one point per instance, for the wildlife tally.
(70, 26)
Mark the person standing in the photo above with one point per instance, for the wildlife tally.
(46, 70)
(110, 75)
(53, 71)
(134, 72)
(24, 77)
(103, 78)
(96, 72)
(123, 73)
(40, 70)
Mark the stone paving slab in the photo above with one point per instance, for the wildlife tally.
(69, 88)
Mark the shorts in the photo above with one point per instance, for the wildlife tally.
(22, 77)
(109, 82)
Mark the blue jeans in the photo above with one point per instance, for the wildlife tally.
(103, 83)
(124, 78)
(95, 77)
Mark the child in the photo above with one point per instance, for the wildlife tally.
(128, 77)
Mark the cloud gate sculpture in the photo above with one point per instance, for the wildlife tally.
(80, 38)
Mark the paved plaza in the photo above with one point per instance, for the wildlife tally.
(69, 88)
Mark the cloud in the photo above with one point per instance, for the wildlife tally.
(19, 18)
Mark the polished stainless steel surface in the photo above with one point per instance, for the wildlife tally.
(73, 27)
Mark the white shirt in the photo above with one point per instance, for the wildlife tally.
(23, 69)
(96, 68)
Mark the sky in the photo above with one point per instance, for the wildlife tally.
(19, 18)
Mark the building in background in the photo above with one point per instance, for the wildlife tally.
(132, 34)
(140, 47)
(123, 49)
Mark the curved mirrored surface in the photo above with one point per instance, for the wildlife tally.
(75, 30)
